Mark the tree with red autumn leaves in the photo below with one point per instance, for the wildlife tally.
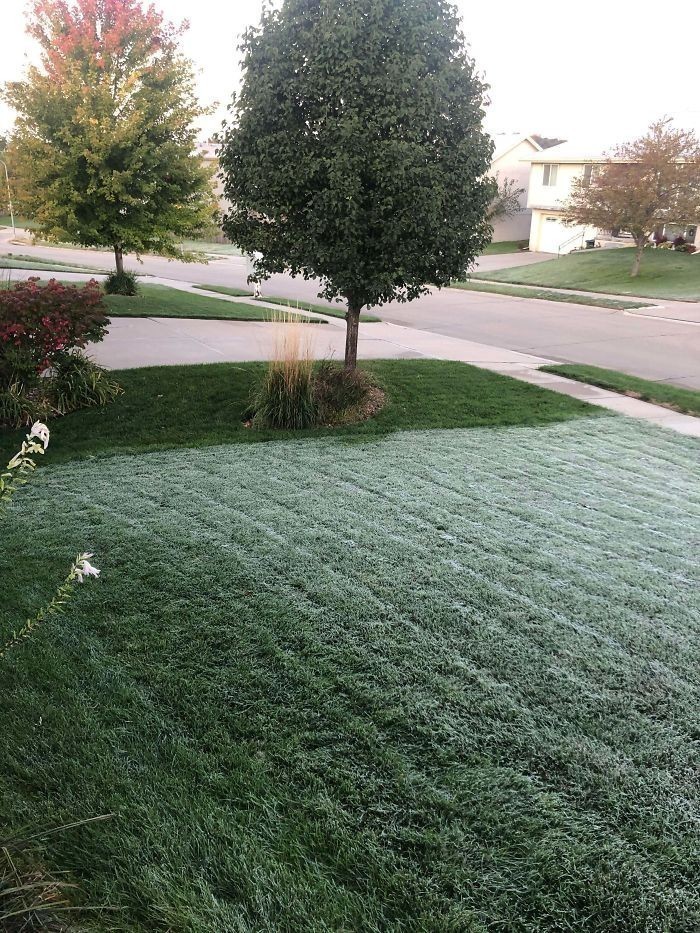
(106, 131)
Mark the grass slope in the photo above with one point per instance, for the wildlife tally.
(661, 393)
(547, 295)
(193, 406)
(11, 261)
(22, 223)
(440, 681)
(664, 274)
(226, 290)
(331, 310)
(161, 301)
(505, 246)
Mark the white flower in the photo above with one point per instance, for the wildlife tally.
(83, 568)
(40, 431)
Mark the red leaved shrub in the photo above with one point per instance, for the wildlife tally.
(39, 322)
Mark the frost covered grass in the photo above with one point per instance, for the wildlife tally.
(424, 681)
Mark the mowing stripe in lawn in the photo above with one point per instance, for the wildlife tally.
(442, 680)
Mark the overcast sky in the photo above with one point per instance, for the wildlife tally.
(595, 71)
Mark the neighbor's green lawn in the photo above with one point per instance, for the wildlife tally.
(547, 295)
(337, 310)
(161, 301)
(664, 274)
(11, 261)
(661, 393)
(505, 246)
(23, 223)
(193, 406)
(217, 249)
(428, 681)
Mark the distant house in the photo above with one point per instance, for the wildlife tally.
(511, 161)
(552, 173)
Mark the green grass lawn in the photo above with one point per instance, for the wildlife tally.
(423, 681)
(226, 290)
(337, 310)
(505, 246)
(661, 393)
(11, 261)
(216, 249)
(23, 223)
(161, 301)
(546, 294)
(192, 406)
(663, 274)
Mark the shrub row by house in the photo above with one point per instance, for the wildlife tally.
(43, 330)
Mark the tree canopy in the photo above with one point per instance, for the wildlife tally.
(356, 153)
(641, 186)
(105, 135)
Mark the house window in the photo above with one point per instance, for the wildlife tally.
(549, 178)
(588, 174)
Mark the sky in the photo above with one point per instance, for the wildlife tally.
(594, 71)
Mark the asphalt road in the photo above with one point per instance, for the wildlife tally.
(655, 347)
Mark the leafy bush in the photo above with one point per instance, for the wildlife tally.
(18, 407)
(79, 383)
(686, 248)
(37, 322)
(344, 395)
(121, 283)
(679, 241)
(40, 325)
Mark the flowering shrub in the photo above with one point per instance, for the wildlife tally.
(39, 321)
(17, 473)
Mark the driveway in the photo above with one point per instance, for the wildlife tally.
(653, 345)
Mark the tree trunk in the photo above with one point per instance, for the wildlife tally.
(119, 257)
(638, 256)
(352, 319)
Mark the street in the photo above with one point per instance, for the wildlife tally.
(654, 344)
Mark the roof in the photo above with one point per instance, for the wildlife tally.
(504, 142)
(578, 153)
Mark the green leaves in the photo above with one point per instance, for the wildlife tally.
(356, 152)
(106, 136)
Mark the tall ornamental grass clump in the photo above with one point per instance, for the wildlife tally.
(285, 397)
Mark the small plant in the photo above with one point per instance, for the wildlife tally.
(18, 471)
(679, 241)
(344, 396)
(121, 283)
(77, 382)
(22, 465)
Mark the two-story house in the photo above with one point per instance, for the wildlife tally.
(552, 173)
(511, 160)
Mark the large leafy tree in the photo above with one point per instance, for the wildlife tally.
(642, 185)
(105, 135)
(356, 153)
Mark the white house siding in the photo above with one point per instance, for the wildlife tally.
(511, 160)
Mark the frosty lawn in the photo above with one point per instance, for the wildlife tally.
(432, 681)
